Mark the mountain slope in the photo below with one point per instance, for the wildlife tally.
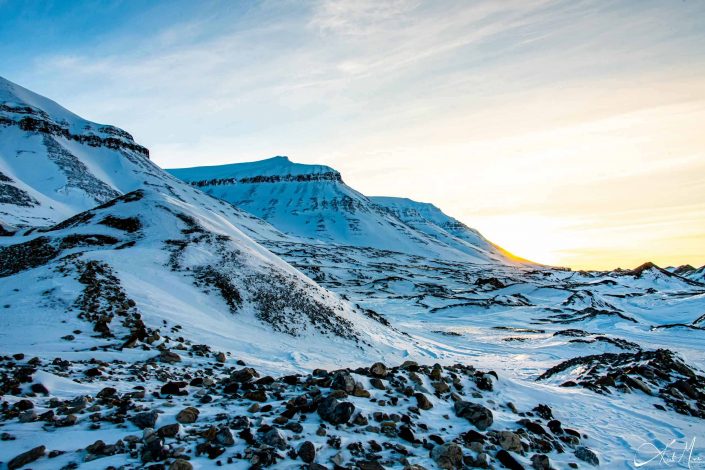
(54, 164)
(145, 260)
(313, 201)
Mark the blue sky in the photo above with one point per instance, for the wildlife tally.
(567, 131)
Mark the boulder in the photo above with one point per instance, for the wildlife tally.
(334, 411)
(26, 457)
(448, 456)
(476, 414)
(187, 415)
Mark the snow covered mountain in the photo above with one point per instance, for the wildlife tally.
(54, 164)
(313, 201)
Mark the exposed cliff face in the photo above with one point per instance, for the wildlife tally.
(313, 201)
(32, 119)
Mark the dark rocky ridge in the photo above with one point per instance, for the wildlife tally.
(31, 119)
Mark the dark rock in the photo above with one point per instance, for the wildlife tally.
(93, 372)
(26, 457)
(448, 456)
(506, 459)
(170, 430)
(343, 381)
(40, 389)
(407, 434)
(107, 392)
(307, 452)
(225, 437)
(181, 464)
(147, 419)
(422, 401)
(275, 438)
(378, 370)
(256, 395)
(334, 411)
(586, 455)
(174, 388)
(169, 357)
(540, 462)
(476, 414)
(187, 415)
(244, 375)
(23, 405)
(544, 411)
(377, 383)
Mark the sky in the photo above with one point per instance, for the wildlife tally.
(568, 132)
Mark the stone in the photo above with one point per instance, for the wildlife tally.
(377, 383)
(378, 370)
(540, 462)
(506, 459)
(510, 441)
(181, 464)
(40, 389)
(334, 411)
(244, 375)
(476, 414)
(422, 401)
(343, 381)
(146, 419)
(448, 456)
(275, 438)
(307, 452)
(170, 430)
(174, 388)
(440, 387)
(187, 415)
(26, 457)
(224, 437)
(169, 357)
(586, 455)
(256, 395)
(407, 434)
(221, 357)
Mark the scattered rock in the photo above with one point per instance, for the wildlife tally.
(147, 419)
(448, 456)
(307, 452)
(506, 459)
(586, 455)
(422, 401)
(334, 411)
(187, 415)
(378, 370)
(476, 414)
(510, 441)
(26, 457)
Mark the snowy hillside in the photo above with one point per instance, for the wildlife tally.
(173, 262)
(313, 201)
